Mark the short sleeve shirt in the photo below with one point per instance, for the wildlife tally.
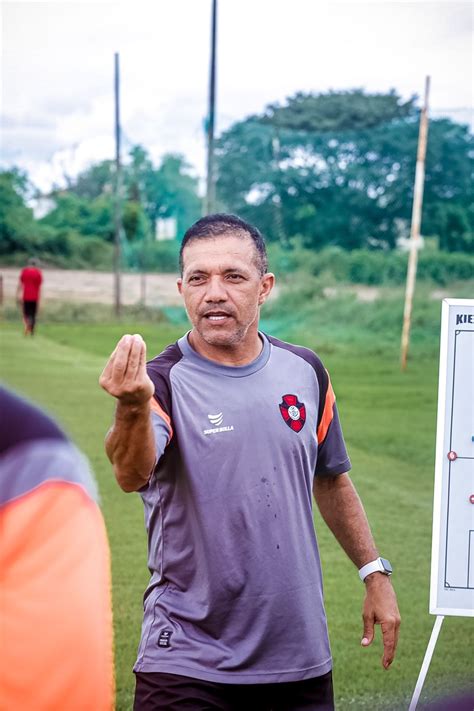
(236, 592)
(31, 279)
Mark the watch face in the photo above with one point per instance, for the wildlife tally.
(386, 566)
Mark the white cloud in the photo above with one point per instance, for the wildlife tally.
(58, 67)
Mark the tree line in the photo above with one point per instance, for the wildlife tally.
(321, 170)
(80, 227)
(338, 169)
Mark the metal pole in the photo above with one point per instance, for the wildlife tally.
(117, 206)
(210, 187)
(415, 226)
(143, 288)
(426, 662)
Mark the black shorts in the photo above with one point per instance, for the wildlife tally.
(29, 309)
(156, 690)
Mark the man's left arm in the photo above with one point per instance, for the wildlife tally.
(342, 510)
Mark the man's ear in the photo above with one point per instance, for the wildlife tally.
(179, 284)
(266, 285)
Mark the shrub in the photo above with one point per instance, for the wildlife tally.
(372, 267)
(159, 256)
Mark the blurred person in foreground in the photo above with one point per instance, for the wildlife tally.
(28, 294)
(55, 609)
(225, 435)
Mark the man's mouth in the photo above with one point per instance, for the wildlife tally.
(216, 316)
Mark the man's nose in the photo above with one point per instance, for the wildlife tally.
(216, 290)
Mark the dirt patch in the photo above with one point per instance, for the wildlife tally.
(98, 287)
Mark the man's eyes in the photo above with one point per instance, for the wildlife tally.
(196, 278)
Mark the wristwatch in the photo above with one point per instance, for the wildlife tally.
(381, 565)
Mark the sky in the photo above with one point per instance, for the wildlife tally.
(57, 101)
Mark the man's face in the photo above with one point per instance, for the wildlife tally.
(223, 289)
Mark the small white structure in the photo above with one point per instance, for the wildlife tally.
(404, 243)
(41, 206)
(165, 228)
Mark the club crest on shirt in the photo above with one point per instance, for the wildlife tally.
(293, 412)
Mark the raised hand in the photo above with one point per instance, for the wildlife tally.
(125, 376)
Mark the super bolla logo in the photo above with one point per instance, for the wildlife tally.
(216, 421)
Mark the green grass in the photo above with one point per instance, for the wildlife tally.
(389, 422)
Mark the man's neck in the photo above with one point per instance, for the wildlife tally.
(235, 355)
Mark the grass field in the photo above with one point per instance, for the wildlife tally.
(389, 422)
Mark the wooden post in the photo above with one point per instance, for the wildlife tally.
(415, 226)
(118, 207)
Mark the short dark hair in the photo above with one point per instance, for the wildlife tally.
(220, 224)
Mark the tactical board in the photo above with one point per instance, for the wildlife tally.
(452, 562)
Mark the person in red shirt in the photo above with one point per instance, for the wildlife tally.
(28, 293)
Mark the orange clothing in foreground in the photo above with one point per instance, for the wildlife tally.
(55, 603)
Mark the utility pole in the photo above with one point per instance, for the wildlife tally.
(279, 227)
(415, 226)
(118, 184)
(210, 186)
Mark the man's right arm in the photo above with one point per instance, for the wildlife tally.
(130, 443)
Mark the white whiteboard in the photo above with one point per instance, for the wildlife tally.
(452, 558)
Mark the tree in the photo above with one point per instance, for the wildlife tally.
(135, 223)
(338, 111)
(18, 229)
(89, 218)
(454, 227)
(165, 191)
(449, 198)
(177, 192)
(97, 180)
(338, 168)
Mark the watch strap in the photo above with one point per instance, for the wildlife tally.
(380, 565)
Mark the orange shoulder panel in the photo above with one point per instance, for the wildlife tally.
(55, 606)
(156, 407)
(328, 413)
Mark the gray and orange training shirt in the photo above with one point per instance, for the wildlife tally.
(236, 593)
(55, 607)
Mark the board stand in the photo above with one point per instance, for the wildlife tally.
(426, 662)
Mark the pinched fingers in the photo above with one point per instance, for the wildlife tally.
(122, 355)
(125, 375)
(133, 360)
(107, 372)
(110, 372)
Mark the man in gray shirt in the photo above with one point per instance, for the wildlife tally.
(225, 435)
